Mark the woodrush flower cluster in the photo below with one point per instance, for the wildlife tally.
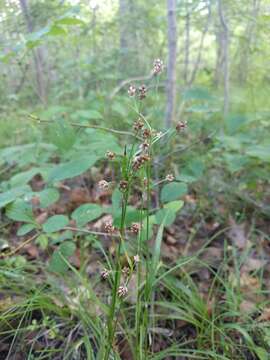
(144, 132)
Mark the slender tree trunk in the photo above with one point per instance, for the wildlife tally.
(171, 70)
(37, 55)
(245, 47)
(198, 59)
(187, 46)
(128, 39)
(225, 56)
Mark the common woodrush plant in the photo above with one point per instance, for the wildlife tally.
(136, 176)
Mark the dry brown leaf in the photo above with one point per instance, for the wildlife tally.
(247, 306)
(41, 218)
(265, 315)
(237, 234)
(252, 264)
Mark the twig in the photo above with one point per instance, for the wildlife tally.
(20, 246)
(182, 149)
(87, 126)
(128, 81)
(89, 231)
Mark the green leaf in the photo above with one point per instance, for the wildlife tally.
(86, 213)
(262, 152)
(89, 114)
(132, 216)
(9, 196)
(234, 122)
(167, 215)
(43, 241)
(70, 21)
(57, 263)
(72, 168)
(173, 191)
(19, 210)
(48, 197)
(62, 135)
(55, 223)
(174, 205)
(23, 177)
(25, 229)
(57, 31)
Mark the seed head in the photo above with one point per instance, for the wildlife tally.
(123, 185)
(146, 133)
(122, 291)
(108, 227)
(135, 228)
(103, 184)
(139, 161)
(138, 125)
(181, 126)
(170, 177)
(105, 273)
(110, 155)
(144, 146)
(142, 92)
(132, 90)
(125, 271)
(157, 66)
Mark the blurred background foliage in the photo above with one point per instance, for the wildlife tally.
(72, 61)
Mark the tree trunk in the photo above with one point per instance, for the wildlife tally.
(37, 55)
(224, 53)
(187, 46)
(249, 39)
(171, 67)
(128, 40)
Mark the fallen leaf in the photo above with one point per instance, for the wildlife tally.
(237, 234)
(265, 315)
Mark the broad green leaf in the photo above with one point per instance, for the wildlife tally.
(23, 177)
(133, 215)
(167, 215)
(261, 152)
(57, 263)
(48, 197)
(234, 122)
(86, 213)
(25, 229)
(72, 168)
(235, 162)
(174, 205)
(197, 94)
(89, 114)
(173, 191)
(62, 135)
(55, 223)
(19, 210)
(56, 30)
(9, 196)
(43, 241)
(70, 21)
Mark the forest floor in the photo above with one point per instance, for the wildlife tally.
(223, 309)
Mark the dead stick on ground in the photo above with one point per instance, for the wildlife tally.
(20, 246)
